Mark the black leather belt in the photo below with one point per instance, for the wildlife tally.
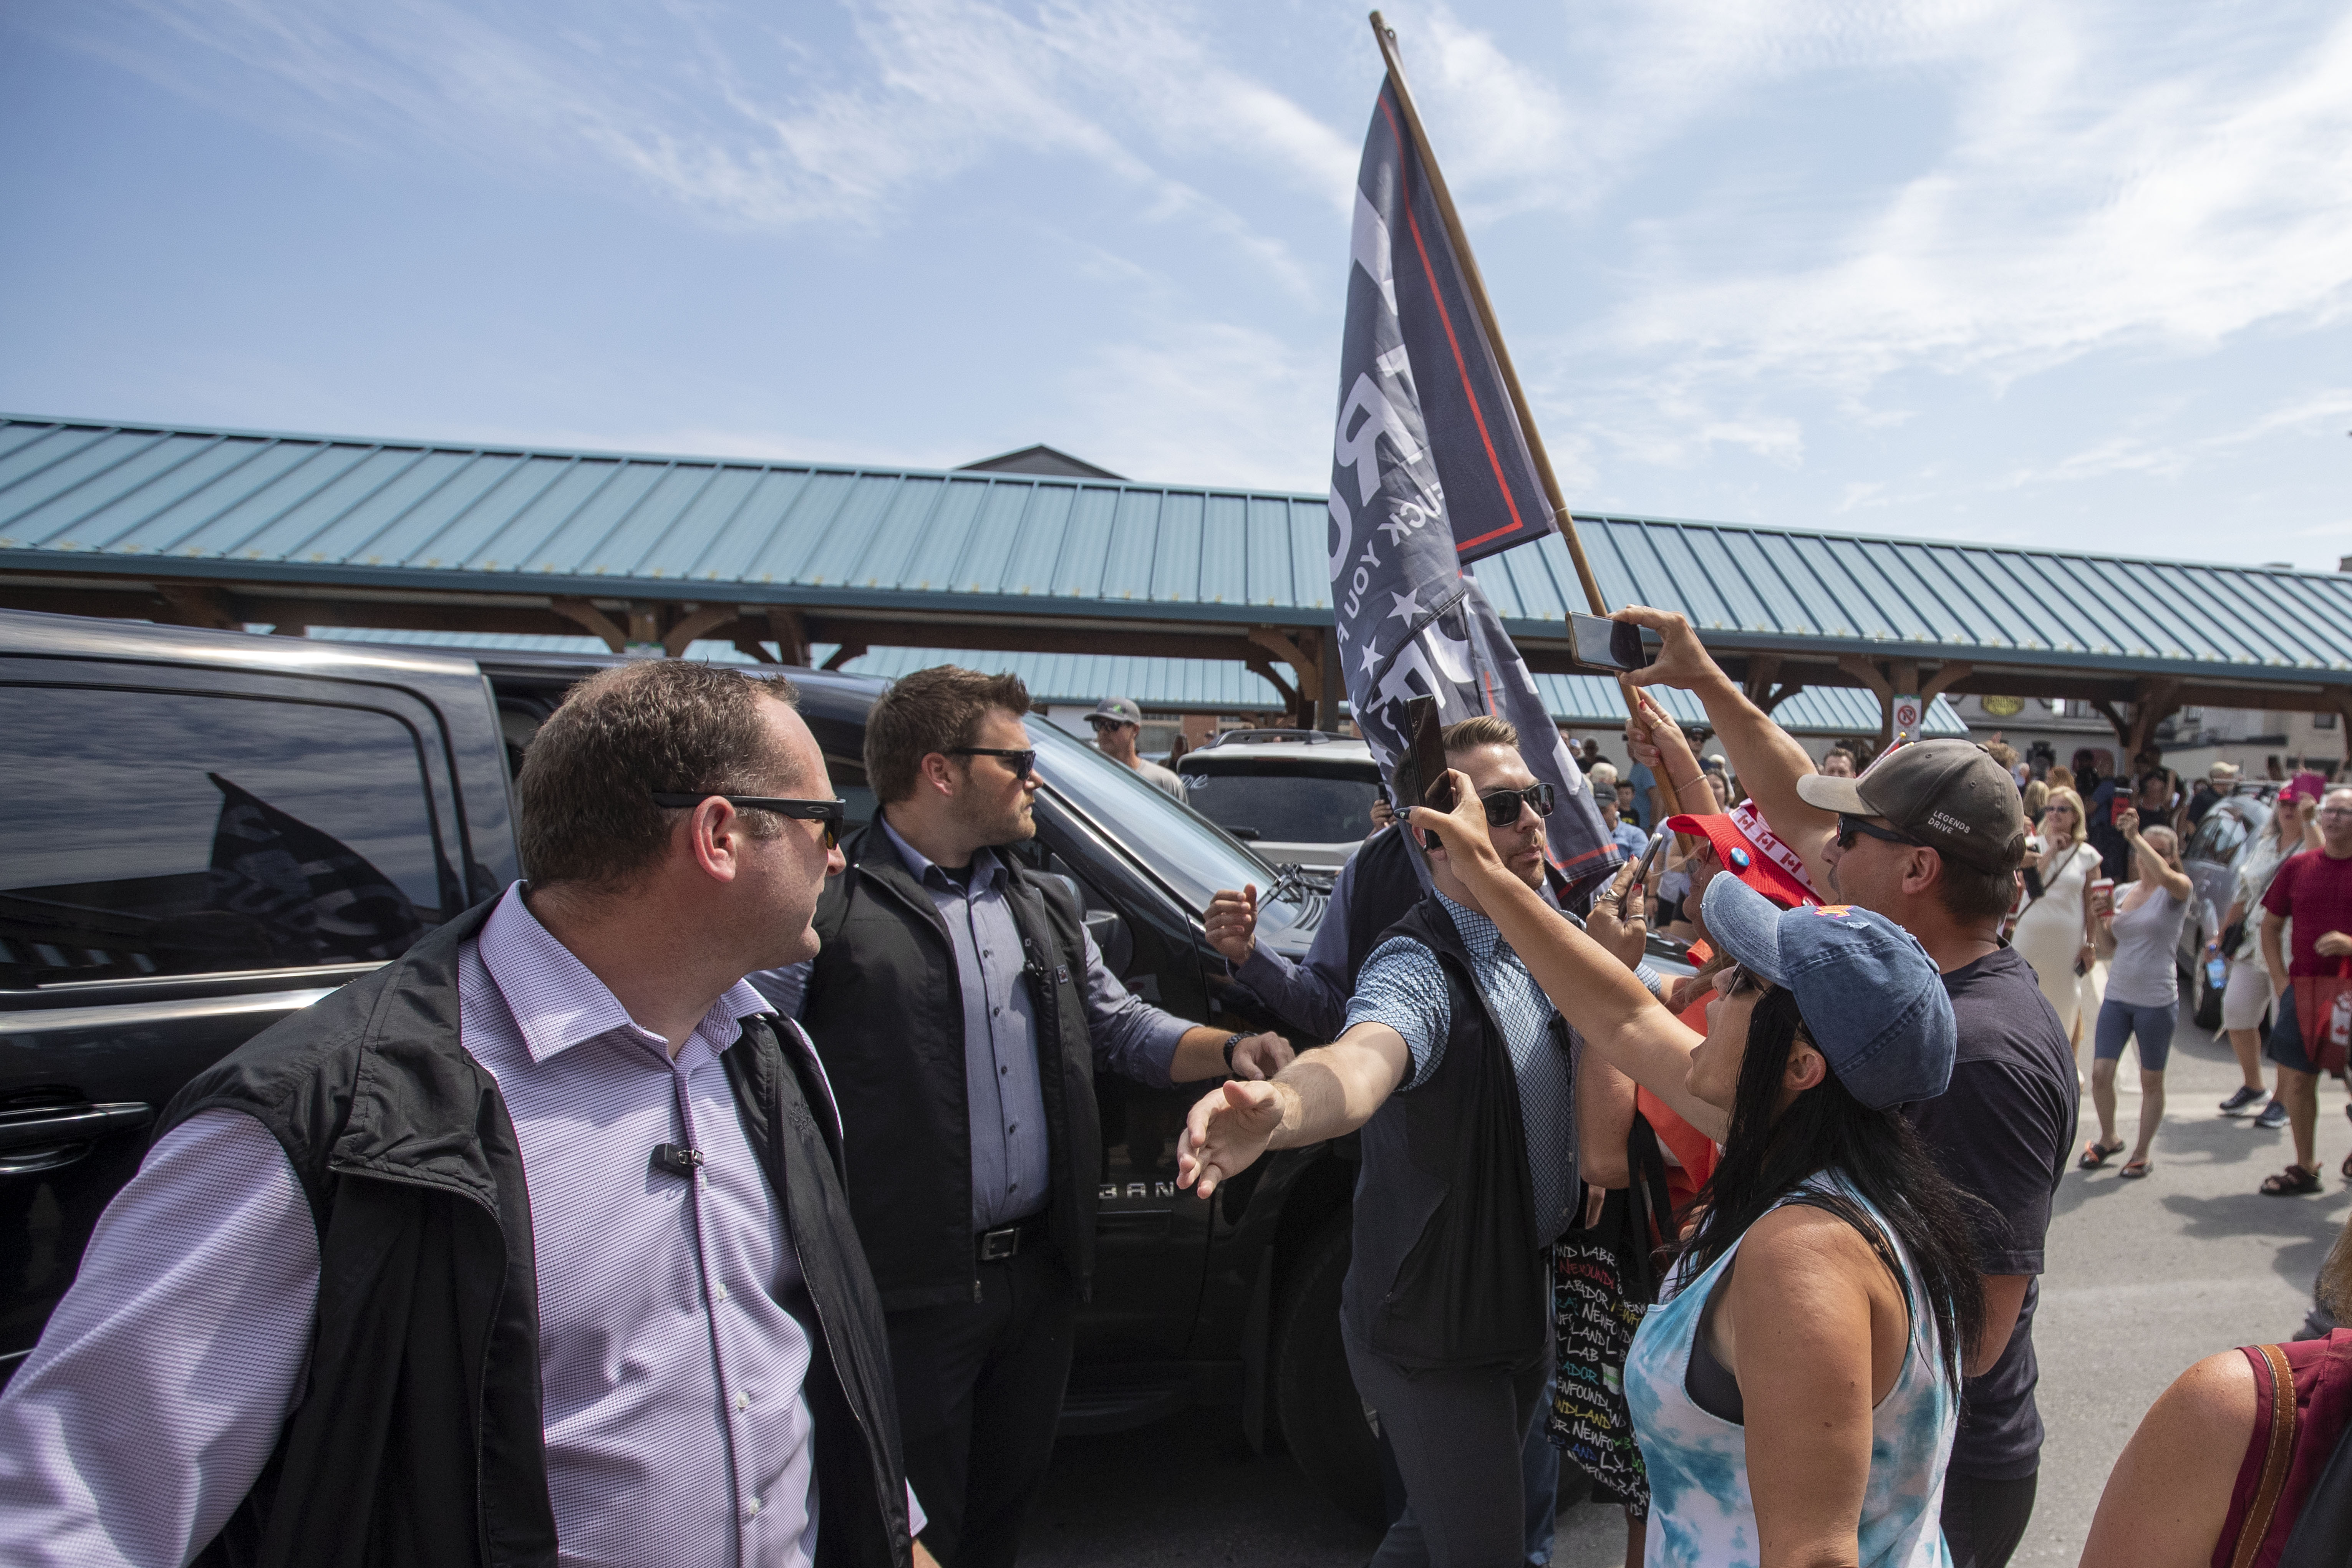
(996, 1245)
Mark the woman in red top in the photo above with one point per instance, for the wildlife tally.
(2239, 1457)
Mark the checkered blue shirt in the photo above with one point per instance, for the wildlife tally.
(1402, 987)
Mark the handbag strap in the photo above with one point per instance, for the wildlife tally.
(2275, 1458)
(1649, 1207)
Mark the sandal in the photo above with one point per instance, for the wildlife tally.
(2096, 1154)
(2293, 1182)
(2135, 1169)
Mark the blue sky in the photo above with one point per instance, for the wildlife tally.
(2057, 271)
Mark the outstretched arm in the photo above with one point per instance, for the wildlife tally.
(1328, 1091)
(1598, 995)
(1767, 759)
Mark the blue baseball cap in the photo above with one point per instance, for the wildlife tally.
(1871, 999)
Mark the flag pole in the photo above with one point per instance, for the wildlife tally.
(1475, 284)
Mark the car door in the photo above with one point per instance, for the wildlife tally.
(188, 855)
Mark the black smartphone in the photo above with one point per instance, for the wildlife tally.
(1605, 644)
(1436, 791)
(1641, 871)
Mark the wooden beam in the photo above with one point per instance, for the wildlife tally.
(686, 629)
(1306, 662)
(1778, 695)
(843, 654)
(1871, 673)
(1763, 669)
(1332, 682)
(592, 620)
(790, 628)
(645, 624)
(1258, 661)
(1944, 677)
(194, 604)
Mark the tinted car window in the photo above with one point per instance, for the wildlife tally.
(1186, 849)
(2217, 838)
(1286, 801)
(158, 833)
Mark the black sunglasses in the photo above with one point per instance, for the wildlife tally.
(1732, 981)
(1503, 805)
(831, 813)
(1020, 762)
(1849, 828)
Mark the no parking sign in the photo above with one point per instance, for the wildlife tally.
(1906, 719)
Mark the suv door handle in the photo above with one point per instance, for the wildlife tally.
(48, 1137)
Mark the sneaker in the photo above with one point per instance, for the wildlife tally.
(2240, 1100)
(2273, 1118)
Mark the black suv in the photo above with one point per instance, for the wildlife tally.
(209, 830)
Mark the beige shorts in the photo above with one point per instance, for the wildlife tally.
(2246, 996)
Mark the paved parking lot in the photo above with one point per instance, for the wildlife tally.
(2145, 1277)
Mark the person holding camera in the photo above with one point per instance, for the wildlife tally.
(1460, 1073)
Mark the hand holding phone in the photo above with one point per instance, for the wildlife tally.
(1605, 644)
(1429, 780)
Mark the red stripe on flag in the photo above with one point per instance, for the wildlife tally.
(1461, 369)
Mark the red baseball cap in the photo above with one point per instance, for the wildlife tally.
(1751, 851)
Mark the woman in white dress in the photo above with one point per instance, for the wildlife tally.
(2054, 934)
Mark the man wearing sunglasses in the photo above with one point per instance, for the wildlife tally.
(1931, 836)
(1118, 723)
(963, 1011)
(1461, 1075)
(533, 1241)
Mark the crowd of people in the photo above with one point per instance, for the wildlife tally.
(1757, 1246)
(1816, 1344)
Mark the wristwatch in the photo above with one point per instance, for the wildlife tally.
(1231, 1041)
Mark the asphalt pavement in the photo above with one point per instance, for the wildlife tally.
(2145, 1277)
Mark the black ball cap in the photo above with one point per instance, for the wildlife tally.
(1948, 794)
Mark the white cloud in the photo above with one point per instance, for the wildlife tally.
(746, 121)
(2070, 213)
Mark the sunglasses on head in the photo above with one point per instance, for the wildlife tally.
(1503, 805)
(1851, 828)
(831, 813)
(1020, 759)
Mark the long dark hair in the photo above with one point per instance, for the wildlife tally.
(1877, 1151)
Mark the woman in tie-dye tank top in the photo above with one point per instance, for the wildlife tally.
(1830, 1260)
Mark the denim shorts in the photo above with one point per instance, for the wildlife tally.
(2285, 1047)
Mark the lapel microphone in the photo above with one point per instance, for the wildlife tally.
(676, 1159)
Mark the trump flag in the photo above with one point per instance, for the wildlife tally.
(1430, 472)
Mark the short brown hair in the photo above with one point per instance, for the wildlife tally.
(1974, 894)
(934, 710)
(1478, 729)
(586, 792)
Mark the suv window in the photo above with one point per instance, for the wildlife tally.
(1284, 800)
(158, 833)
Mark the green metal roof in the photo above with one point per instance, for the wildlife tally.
(156, 502)
(1205, 685)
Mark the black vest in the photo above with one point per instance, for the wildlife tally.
(1446, 1271)
(418, 1438)
(886, 1009)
